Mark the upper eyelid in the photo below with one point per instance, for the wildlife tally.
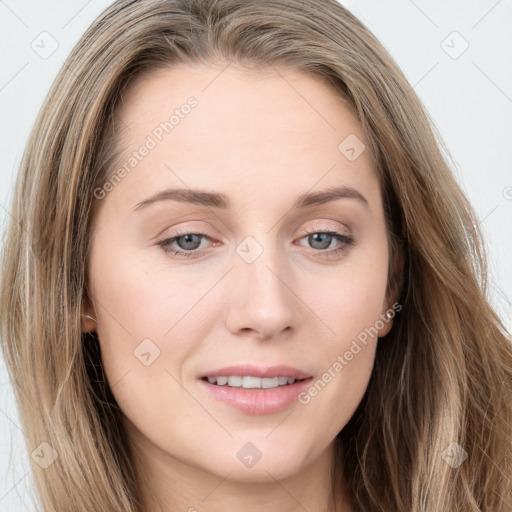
(180, 233)
(322, 227)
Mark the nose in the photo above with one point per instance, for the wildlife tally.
(260, 300)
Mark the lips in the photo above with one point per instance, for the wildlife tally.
(267, 399)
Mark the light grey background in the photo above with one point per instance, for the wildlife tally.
(468, 93)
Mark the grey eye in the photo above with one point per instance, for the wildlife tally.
(191, 241)
(320, 240)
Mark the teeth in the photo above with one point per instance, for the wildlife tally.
(270, 383)
(249, 382)
(235, 382)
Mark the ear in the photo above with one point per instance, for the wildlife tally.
(393, 292)
(88, 316)
(88, 323)
(386, 320)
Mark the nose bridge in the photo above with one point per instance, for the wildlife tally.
(260, 299)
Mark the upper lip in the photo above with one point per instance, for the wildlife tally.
(280, 370)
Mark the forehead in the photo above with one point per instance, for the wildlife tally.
(230, 91)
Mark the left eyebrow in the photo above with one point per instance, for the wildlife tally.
(328, 195)
(218, 200)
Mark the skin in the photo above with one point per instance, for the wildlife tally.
(262, 138)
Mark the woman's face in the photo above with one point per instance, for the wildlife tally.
(247, 170)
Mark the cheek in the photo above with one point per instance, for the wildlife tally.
(138, 297)
(352, 299)
(150, 322)
(350, 306)
(347, 364)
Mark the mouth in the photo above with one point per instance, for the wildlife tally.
(255, 390)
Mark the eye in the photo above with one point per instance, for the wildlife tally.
(322, 241)
(188, 244)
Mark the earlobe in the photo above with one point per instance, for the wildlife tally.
(387, 320)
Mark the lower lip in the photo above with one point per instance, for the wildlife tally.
(258, 401)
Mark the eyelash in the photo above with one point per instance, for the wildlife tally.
(346, 240)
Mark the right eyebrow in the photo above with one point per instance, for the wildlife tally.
(199, 197)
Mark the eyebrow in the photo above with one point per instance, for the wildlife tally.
(219, 200)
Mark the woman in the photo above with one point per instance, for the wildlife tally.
(242, 276)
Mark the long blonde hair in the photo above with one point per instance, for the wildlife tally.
(442, 375)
